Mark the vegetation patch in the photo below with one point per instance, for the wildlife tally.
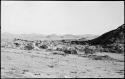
(28, 47)
(43, 47)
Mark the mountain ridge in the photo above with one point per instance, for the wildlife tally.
(43, 37)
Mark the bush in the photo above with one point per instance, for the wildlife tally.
(114, 48)
(17, 44)
(70, 51)
(105, 57)
(80, 48)
(59, 49)
(44, 47)
(89, 50)
(28, 47)
(99, 48)
(59, 53)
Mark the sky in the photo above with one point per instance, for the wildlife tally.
(61, 17)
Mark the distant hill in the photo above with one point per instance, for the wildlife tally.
(88, 37)
(10, 36)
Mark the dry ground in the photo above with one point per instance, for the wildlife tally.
(16, 63)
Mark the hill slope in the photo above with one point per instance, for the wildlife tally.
(112, 41)
(114, 36)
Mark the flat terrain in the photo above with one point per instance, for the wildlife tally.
(16, 63)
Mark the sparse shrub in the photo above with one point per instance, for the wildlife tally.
(59, 53)
(105, 50)
(28, 47)
(59, 49)
(70, 51)
(89, 50)
(44, 46)
(99, 48)
(17, 44)
(105, 57)
(49, 49)
(73, 52)
(119, 48)
(80, 48)
(114, 48)
(67, 50)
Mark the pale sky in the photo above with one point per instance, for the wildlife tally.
(61, 17)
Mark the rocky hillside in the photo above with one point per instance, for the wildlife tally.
(114, 36)
(112, 41)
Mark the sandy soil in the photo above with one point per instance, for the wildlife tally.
(16, 63)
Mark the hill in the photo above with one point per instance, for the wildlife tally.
(114, 36)
(32, 37)
(112, 41)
